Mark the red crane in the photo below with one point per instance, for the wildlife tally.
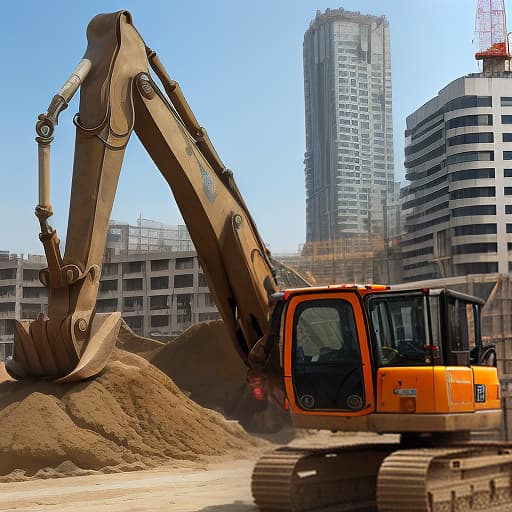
(491, 29)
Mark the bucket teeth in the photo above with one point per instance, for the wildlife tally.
(43, 350)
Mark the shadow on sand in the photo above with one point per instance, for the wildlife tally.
(233, 507)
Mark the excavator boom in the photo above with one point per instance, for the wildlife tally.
(119, 96)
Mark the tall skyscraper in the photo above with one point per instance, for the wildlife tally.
(349, 129)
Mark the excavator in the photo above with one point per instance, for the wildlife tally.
(346, 358)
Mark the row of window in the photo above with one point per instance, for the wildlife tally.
(131, 267)
(425, 158)
(472, 120)
(424, 143)
(465, 138)
(156, 283)
(468, 211)
(28, 274)
(470, 138)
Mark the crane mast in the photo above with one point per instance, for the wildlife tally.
(491, 36)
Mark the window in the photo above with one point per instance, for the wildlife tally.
(506, 119)
(157, 265)
(34, 292)
(468, 102)
(202, 281)
(8, 291)
(481, 209)
(470, 156)
(130, 285)
(160, 283)
(327, 362)
(425, 158)
(184, 309)
(424, 143)
(475, 248)
(133, 267)
(109, 269)
(470, 192)
(507, 155)
(471, 138)
(133, 304)
(160, 321)
(106, 305)
(160, 302)
(108, 285)
(184, 281)
(184, 263)
(207, 300)
(475, 120)
(418, 252)
(472, 174)
(475, 229)
(461, 330)
(134, 322)
(415, 241)
(8, 273)
(29, 274)
(477, 268)
(398, 330)
(506, 101)
(7, 307)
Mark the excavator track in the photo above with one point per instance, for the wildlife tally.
(300, 480)
(451, 479)
(380, 477)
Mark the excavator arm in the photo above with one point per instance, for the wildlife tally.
(118, 96)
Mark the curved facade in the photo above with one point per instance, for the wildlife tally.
(458, 204)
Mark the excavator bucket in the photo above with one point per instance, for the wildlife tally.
(40, 352)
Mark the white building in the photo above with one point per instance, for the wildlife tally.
(458, 203)
(349, 163)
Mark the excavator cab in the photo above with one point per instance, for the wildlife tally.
(373, 358)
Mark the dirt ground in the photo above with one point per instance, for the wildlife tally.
(218, 487)
(224, 487)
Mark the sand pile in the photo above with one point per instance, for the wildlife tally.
(131, 417)
(203, 362)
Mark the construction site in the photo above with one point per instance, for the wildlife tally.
(215, 377)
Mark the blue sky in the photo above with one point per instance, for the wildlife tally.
(239, 64)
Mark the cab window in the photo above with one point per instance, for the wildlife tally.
(327, 369)
(399, 329)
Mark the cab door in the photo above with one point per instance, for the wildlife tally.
(326, 357)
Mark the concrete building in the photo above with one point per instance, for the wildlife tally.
(152, 275)
(349, 167)
(21, 294)
(458, 204)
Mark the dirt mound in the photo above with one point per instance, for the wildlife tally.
(130, 417)
(203, 362)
